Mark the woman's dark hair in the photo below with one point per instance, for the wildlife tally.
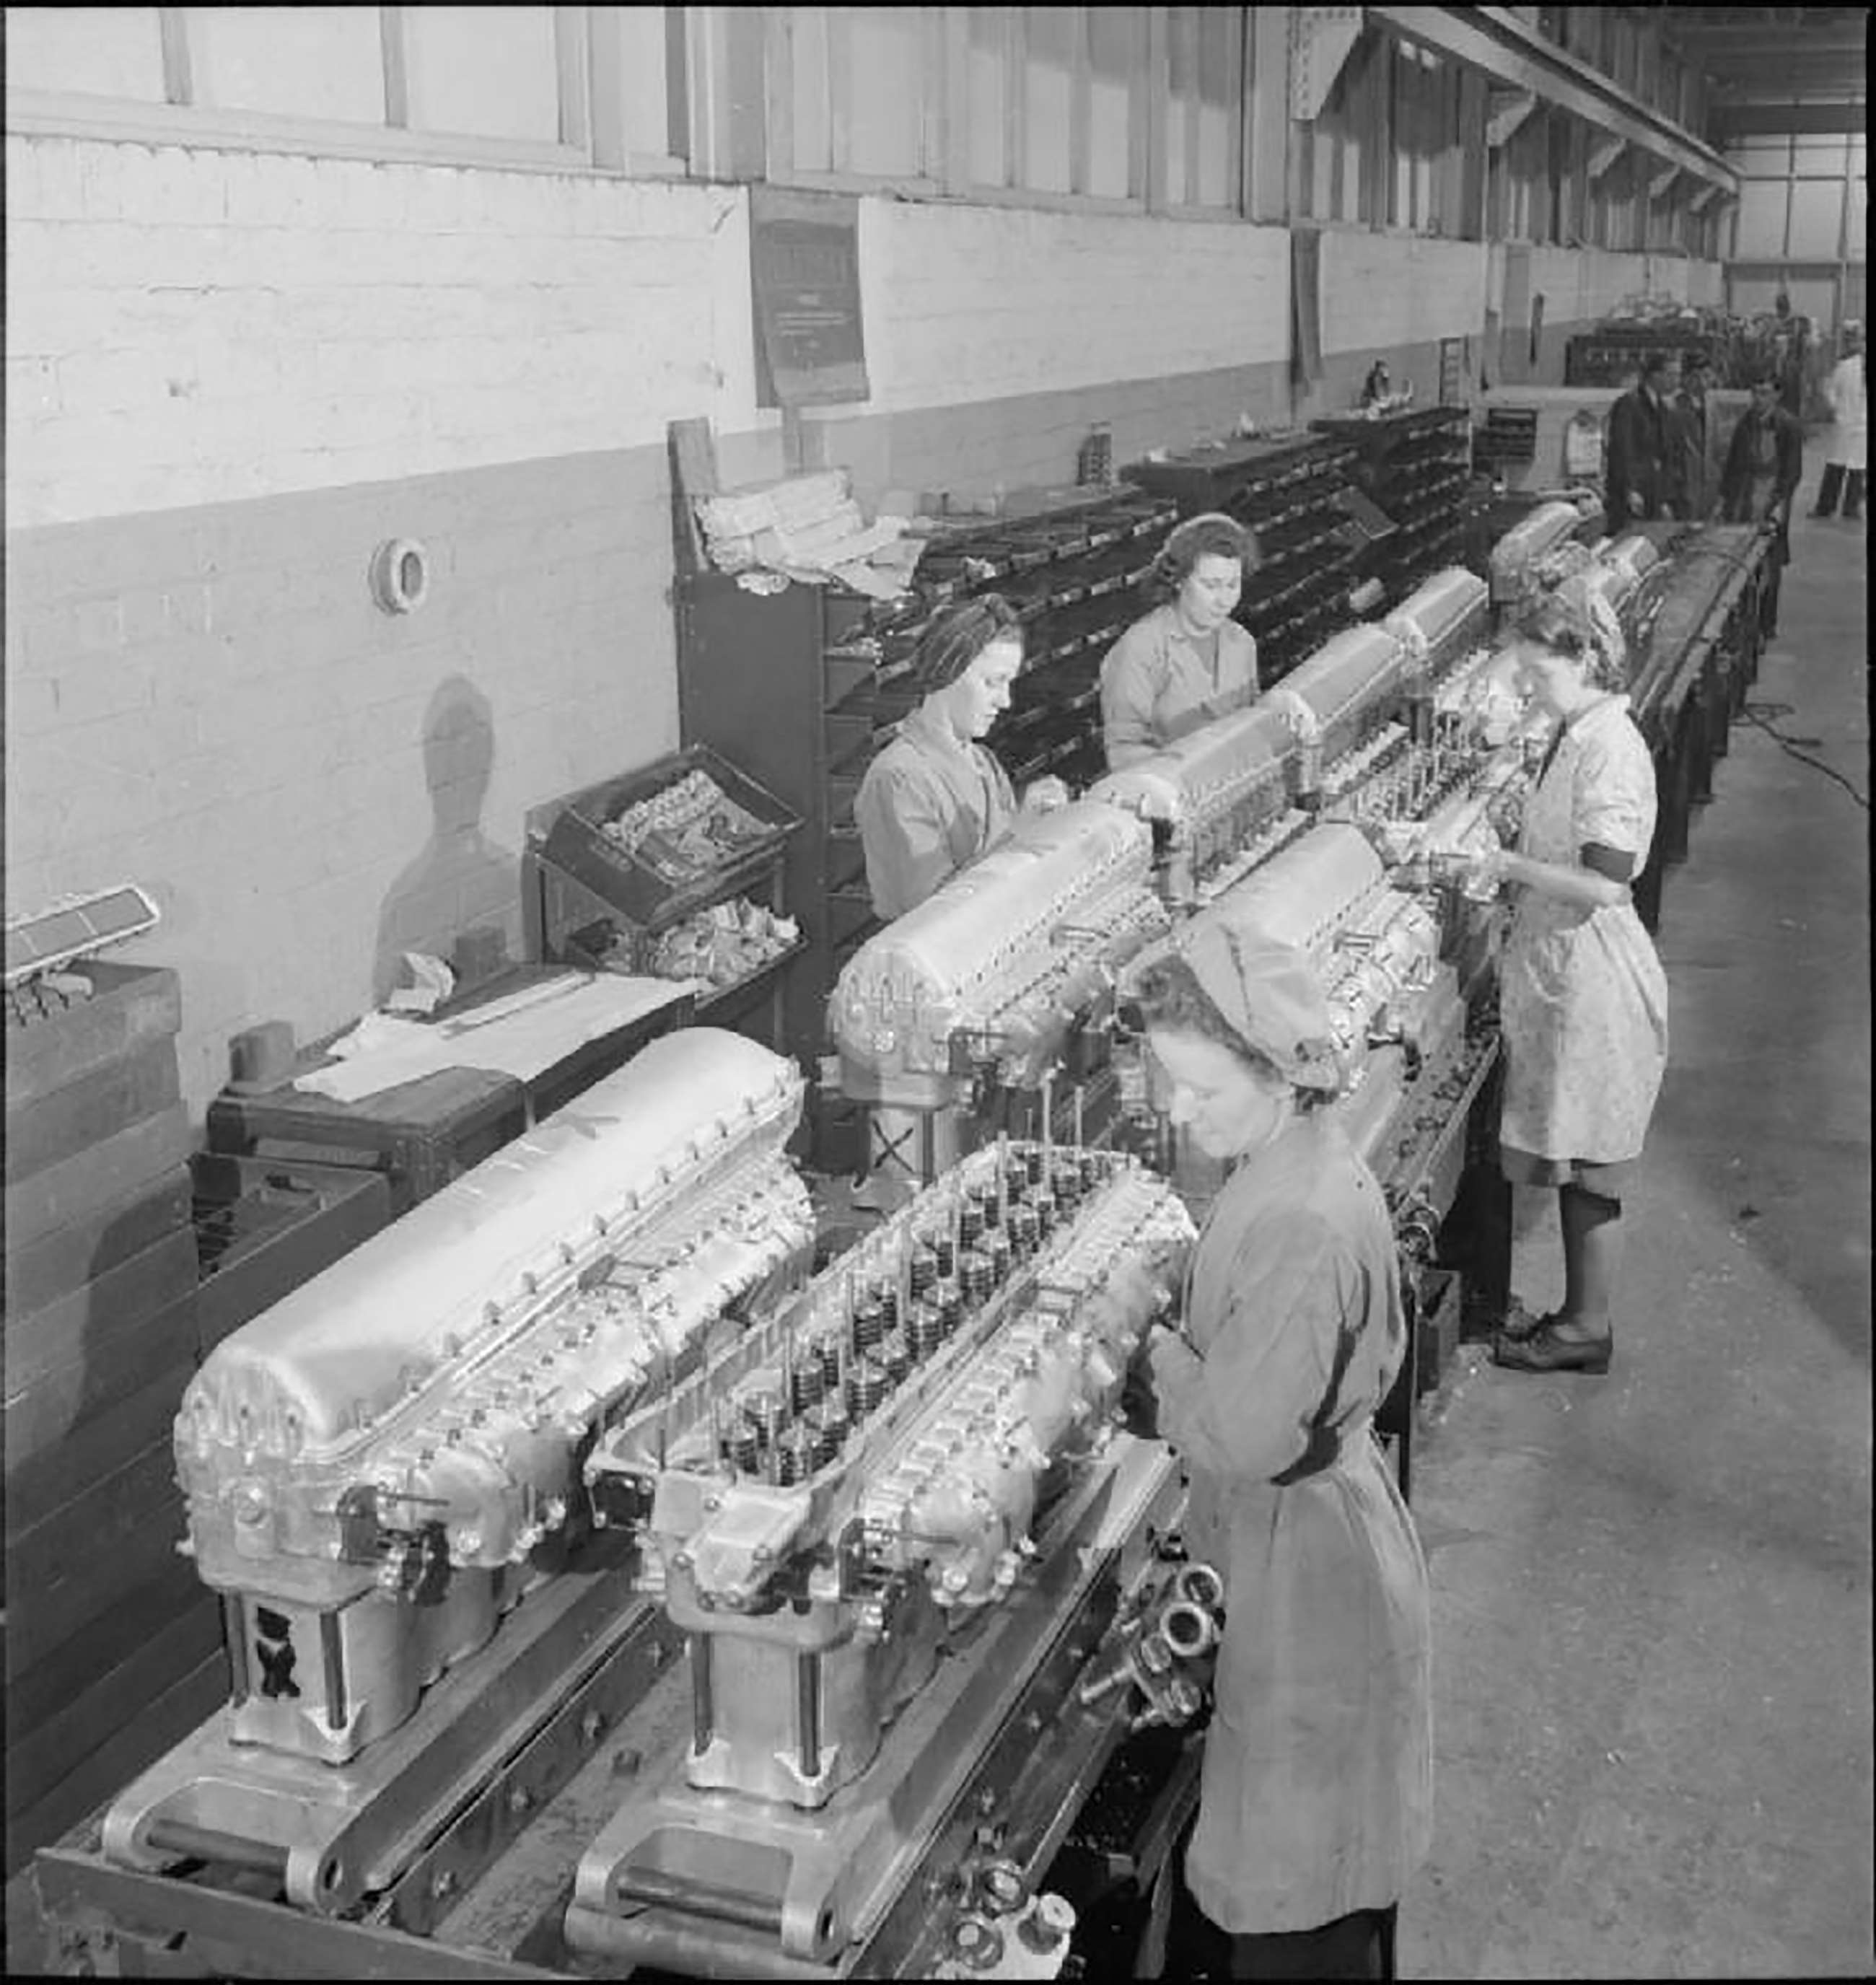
(1168, 996)
(955, 636)
(1213, 536)
(1553, 622)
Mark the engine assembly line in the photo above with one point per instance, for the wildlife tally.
(610, 1580)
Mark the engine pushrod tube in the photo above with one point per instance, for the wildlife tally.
(659, 1890)
(703, 1698)
(234, 1637)
(332, 1652)
(807, 1709)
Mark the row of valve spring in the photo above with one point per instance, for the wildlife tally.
(784, 1426)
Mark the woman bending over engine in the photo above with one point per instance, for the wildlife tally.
(935, 798)
(1187, 662)
(1316, 1797)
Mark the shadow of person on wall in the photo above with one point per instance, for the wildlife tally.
(462, 879)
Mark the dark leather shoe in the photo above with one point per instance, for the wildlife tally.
(1544, 1350)
(1520, 1323)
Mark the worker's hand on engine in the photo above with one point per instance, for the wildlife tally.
(1475, 875)
(1297, 717)
(1139, 1405)
(1045, 795)
(1506, 815)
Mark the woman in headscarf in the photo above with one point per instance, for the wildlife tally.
(1186, 662)
(935, 799)
(1582, 998)
(1316, 1797)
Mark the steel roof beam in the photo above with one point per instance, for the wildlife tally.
(1493, 41)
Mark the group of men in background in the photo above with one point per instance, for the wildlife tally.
(1657, 462)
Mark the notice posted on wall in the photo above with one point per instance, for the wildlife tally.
(804, 254)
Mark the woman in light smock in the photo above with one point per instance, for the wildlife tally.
(1582, 998)
(1848, 390)
(935, 799)
(1187, 662)
(1316, 1799)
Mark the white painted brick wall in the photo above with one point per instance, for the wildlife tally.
(187, 326)
(981, 303)
(1378, 290)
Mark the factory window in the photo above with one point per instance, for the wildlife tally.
(1420, 124)
(1352, 140)
(559, 87)
(1205, 57)
(103, 52)
(1130, 106)
(1116, 52)
(1051, 39)
(323, 63)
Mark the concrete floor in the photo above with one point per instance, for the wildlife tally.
(1651, 1590)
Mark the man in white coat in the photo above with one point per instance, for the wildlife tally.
(1847, 391)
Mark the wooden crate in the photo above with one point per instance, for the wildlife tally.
(42, 1675)
(263, 1227)
(72, 1191)
(70, 1568)
(42, 1753)
(56, 1406)
(155, 1728)
(131, 1007)
(42, 1483)
(79, 1252)
(90, 1325)
(91, 1108)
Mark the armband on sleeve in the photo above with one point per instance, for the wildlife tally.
(1617, 864)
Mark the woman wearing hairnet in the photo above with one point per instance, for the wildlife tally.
(1316, 1797)
(1582, 998)
(1186, 662)
(935, 799)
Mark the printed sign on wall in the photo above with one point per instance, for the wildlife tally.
(804, 256)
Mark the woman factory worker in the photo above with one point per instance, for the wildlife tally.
(935, 799)
(1186, 661)
(1582, 998)
(1316, 1797)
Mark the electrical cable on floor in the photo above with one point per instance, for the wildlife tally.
(1756, 713)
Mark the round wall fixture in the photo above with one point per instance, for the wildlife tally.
(400, 575)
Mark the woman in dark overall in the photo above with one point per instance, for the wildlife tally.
(1316, 1801)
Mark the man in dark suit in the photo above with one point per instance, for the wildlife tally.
(1693, 492)
(1764, 460)
(1643, 470)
